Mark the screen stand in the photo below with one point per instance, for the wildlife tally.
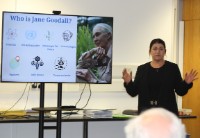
(59, 112)
(42, 110)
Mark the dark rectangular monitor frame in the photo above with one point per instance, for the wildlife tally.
(39, 47)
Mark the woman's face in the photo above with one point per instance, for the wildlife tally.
(100, 37)
(157, 52)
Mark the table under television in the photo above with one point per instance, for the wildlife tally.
(72, 118)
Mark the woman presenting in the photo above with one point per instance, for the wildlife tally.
(156, 82)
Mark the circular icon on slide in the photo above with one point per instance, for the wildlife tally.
(30, 35)
(14, 62)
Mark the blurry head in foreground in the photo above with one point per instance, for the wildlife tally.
(155, 123)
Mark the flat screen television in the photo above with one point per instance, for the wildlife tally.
(38, 47)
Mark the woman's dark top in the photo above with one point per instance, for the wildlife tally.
(156, 87)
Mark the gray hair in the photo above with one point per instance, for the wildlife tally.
(167, 125)
(106, 28)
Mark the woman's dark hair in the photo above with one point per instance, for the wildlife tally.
(157, 40)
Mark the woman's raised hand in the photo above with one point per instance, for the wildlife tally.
(126, 75)
(190, 77)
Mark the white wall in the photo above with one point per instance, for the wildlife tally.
(136, 23)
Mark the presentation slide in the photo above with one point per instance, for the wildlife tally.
(39, 47)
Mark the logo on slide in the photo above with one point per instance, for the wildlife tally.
(67, 35)
(30, 35)
(11, 34)
(14, 62)
(37, 62)
(49, 36)
(60, 63)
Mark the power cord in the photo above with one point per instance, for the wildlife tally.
(2, 113)
(80, 95)
(69, 114)
(27, 97)
(88, 97)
